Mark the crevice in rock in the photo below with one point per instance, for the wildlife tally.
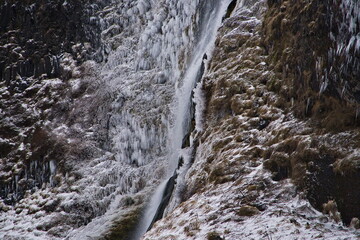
(230, 9)
(165, 199)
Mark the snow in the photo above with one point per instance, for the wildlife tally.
(199, 99)
(284, 213)
(141, 95)
(287, 216)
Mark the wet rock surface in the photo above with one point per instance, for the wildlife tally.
(35, 33)
(81, 149)
(260, 149)
(313, 48)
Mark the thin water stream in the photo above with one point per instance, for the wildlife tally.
(211, 14)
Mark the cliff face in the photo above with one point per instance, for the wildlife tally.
(83, 148)
(91, 92)
(35, 33)
(39, 40)
(313, 49)
(280, 134)
(44, 45)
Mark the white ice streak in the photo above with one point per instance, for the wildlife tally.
(213, 13)
(183, 92)
(149, 42)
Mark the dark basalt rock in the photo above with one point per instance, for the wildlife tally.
(263, 123)
(33, 34)
(347, 195)
(230, 9)
(165, 199)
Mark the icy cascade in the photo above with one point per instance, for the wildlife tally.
(141, 75)
(211, 13)
(229, 193)
(159, 39)
(127, 110)
(149, 43)
(185, 128)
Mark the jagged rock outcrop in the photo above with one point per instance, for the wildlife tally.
(266, 151)
(35, 33)
(44, 47)
(40, 40)
(313, 49)
(271, 138)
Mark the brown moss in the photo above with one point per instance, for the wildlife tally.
(334, 115)
(192, 228)
(331, 208)
(355, 223)
(123, 229)
(220, 144)
(213, 236)
(294, 51)
(347, 166)
(219, 175)
(252, 188)
(279, 164)
(274, 85)
(306, 155)
(247, 211)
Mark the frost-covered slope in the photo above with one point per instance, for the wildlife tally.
(83, 149)
(106, 128)
(239, 185)
(103, 134)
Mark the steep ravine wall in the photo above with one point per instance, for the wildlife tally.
(44, 46)
(314, 49)
(84, 150)
(39, 40)
(277, 104)
(35, 33)
(266, 162)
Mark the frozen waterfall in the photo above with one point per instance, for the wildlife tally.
(135, 117)
(211, 13)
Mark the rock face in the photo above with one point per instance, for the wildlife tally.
(75, 147)
(43, 45)
(313, 47)
(35, 33)
(314, 50)
(87, 101)
(277, 127)
(39, 40)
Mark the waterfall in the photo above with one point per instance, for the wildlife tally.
(211, 14)
(129, 127)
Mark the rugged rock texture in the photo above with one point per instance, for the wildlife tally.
(40, 40)
(83, 151)
(43, 45)
(313, 50)
(35, 33)
(267, 150)
(82, 148)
